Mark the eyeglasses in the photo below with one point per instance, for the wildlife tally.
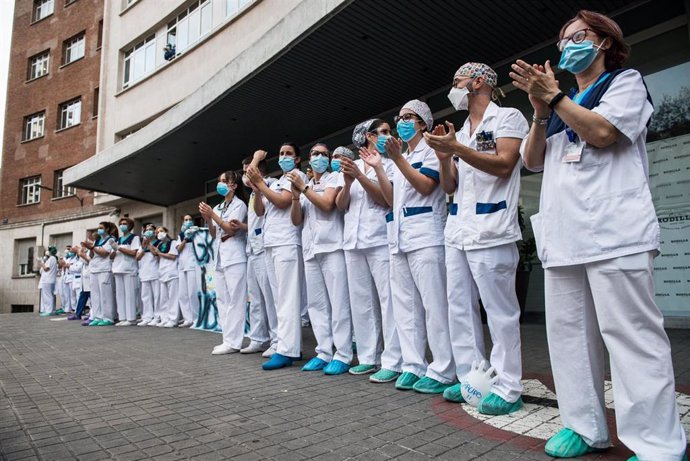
(315, 152)
(577, 37)
(405, 117)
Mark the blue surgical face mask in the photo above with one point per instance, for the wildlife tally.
(69, 254)
(124, 228)
(286, 163)
(149, 234)
(187, 224)
(101, 232)
(406, 129)
(577, 57)
(381, 143)
(222, 189)
(319, 164)
(335, 165)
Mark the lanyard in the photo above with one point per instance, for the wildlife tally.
(579, 98)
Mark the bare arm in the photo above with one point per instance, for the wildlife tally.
(342, 199)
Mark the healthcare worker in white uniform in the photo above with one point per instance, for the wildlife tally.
(125, 269)
(85, 288)
(148, 277)
(169, 278)
(597, 234)
(190, 274)
(415, 238)
(102, 282)
(480, 167)
(282, 244)
(367, 255)
(47, 281)
(325, 273)
(231, 260)
(65, 283)
(262, 310)
(74, 268)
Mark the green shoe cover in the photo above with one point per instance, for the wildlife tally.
(428, 385)
(384, 376)
(634, 458)
(568, 444)
(492, 404)
(362, 369)
(406, 381)
(454, 394)
(45, 314)
(95, 323)
(106, 323)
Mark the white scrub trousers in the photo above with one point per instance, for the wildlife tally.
(76, 292)
(103, 296)
(491, 273)
(285, 272)
(418, 284)
(368, 275)
(610, 304)
(126, 296)
(231, 292)
(47, 297)
(169, 298)
(262, 310)
(329, 305)
(150, 294)
(65, 296)
(190, 285)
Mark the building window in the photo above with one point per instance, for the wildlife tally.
(70, 113)
(190, 25)
(38, 65)
(73, 49)
(34, 126)
(95, 102)
(99, 39)
(59, 189)
(30, 190)
(24, 250)
(22, 308)
(43, 9)
(232, 7)
(140, 60)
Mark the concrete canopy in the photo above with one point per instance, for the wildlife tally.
(364, 59)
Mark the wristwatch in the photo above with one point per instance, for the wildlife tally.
(304, 191)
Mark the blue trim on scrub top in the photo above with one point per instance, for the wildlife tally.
(416, 165)
(486, 208)
(257, 231)
(389, 217)
(415, 210)
(433, 174)
(454, 209)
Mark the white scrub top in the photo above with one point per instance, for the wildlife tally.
(75, 268)
(321, 232)
(167, 268)
(278, 228)
(148, 264)
(600, 207)
(232, 250)
(255, 225)
(66, 275)
(417, 221)
(484, 209)
(186, 261)
(365, 220)
(49, 276)
(85, 277)
(125, 264)
(100, 263)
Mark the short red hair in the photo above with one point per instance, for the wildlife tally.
(604, 27)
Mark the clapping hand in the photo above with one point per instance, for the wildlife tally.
(443, 142)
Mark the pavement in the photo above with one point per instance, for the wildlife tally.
(71, 392)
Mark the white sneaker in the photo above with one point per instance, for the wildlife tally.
(224, 349)
(252, 348)
(121, 323)
(154, 323)
(269, 352)
(169, 325)
(144, 323)
(185, 324)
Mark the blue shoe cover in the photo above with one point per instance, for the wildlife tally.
(315, 364)
(277, 361)
(336, 367)
(634, 458)
(568, 444)
(493, 404)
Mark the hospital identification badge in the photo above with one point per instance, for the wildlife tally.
(573, 152)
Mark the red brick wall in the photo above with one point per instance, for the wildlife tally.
(56, 150)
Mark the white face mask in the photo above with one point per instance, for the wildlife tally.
(459, 98)
(162, 235)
